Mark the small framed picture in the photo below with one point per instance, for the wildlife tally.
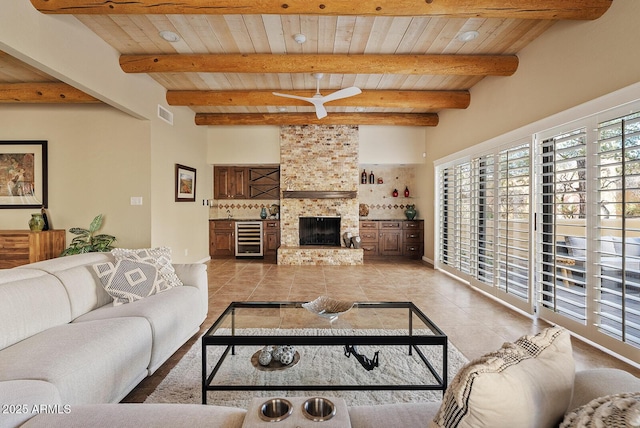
(23, 174)
(185, 184)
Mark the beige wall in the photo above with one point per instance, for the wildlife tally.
(98, 158)
(573, 62)
(132, 154)
(261, 144)
(183, 226)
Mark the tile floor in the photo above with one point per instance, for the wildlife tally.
(474, 323)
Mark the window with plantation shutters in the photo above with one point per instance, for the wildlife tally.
(561, 228)
(618, 229)
(549, 222)
(483, 221)
(512, 242)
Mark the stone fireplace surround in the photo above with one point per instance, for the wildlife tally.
(319, 177)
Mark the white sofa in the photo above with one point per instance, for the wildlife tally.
(63, 344)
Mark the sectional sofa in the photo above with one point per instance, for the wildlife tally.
(63, 342)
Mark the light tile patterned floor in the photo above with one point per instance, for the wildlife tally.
(474, 323)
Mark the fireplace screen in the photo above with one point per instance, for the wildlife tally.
(320, 231)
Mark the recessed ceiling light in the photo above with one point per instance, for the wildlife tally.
(468, 36)
(300, 38)
(169, 36)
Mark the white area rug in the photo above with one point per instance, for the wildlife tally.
(318, 364)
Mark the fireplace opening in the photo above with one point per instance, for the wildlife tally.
(319, 231)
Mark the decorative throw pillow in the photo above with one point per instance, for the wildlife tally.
(618, 410)
(160, 257)
(127, 281)
(523, 384)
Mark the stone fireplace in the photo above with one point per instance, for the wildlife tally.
(319, 176)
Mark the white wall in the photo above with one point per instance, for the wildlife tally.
(571, 63)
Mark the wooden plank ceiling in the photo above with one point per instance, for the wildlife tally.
(405, 55)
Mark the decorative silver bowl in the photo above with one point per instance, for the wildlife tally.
(327, 307)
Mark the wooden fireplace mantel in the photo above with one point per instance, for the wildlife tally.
(319, 194)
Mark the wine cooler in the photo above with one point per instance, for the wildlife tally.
(249, 239)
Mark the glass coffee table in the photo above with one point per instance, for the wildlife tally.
(377, 338)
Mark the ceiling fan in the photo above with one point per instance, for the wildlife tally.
(318, 99)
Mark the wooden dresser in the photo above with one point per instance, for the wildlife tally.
(20, 247)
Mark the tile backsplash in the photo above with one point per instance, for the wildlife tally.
(379, 196)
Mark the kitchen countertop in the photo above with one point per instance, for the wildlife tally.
(242, 219)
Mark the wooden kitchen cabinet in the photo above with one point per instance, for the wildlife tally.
(264, 182)
(383, 238)
(271, 238)
(21, 247)
(413, 239)
(222, 238)
(390, 238)
(369, 238)
(246, 182)
(230, 182)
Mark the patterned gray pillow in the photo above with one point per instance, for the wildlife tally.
(160, 257)
(127, 281)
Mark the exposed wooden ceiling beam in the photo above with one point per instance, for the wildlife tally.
(42, 93)
(524, 9)
(408, 119)
(461, 65)
(430, 100)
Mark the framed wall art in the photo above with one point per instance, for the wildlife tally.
(185, 184)
(23, 174)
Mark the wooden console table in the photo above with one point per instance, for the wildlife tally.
(20, 247)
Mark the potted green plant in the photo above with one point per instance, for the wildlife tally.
(87, 241)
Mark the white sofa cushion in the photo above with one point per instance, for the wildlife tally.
(393, 415)
(25, 293)
(173, 316)
(594, 383)
(84, 289)
(524, 384)
(142, 415)
(89, 362)
(23, 399)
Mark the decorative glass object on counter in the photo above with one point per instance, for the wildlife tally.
(406, 192)
(410, 212)
(263, 213)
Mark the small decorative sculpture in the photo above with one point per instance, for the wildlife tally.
(368, 364)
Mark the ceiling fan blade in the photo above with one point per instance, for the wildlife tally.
(320, 110)
(342, 93)
(295, 97)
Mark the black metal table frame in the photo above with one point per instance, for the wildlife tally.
(437, 339)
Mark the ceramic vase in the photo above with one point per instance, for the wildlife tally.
(36, 224)
(410, 212)
(263, 213)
